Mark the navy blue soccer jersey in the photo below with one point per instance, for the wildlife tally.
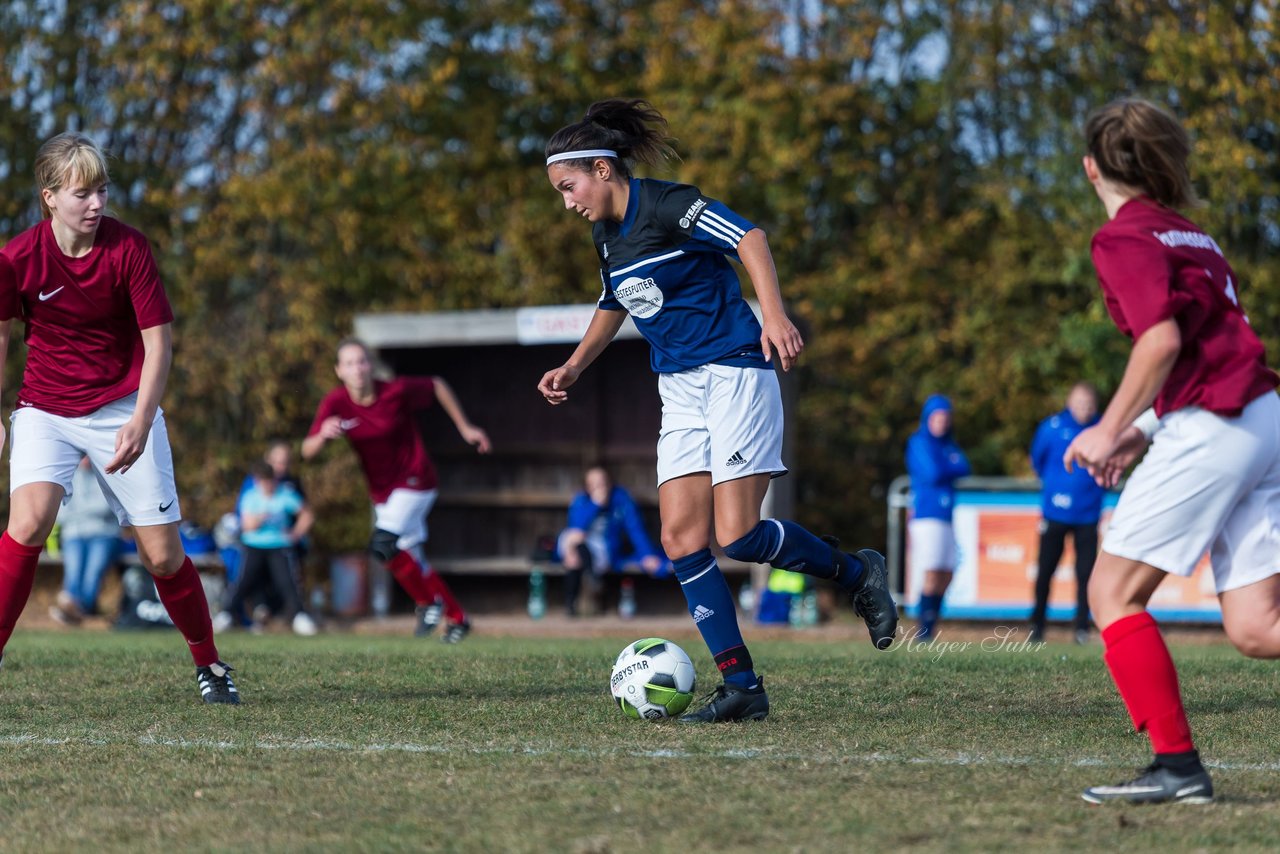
(665, 264)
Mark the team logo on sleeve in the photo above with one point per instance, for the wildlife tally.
(640, 297)
(692, 213)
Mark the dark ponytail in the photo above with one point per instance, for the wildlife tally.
(1137, 144)
(631, 127)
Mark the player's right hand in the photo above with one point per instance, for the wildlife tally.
(331, 427)
(554, 383)
(1131, 445)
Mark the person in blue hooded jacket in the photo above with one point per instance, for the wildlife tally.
(935, 462)
(1071, 503)
(605, 532)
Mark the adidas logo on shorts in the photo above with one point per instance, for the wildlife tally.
(736, 460)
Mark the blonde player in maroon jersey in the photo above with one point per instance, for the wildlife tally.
(377, 418)
(98, 354)
(1211, 479)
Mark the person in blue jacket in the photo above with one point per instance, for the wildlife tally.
(1071, 503)
(935, 462)
(605, 533)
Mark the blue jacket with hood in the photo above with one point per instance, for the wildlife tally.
(1070, 497)
(934, 465)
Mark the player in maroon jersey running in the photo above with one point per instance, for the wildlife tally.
(1211, 479)
(98, 353)
(377, 418)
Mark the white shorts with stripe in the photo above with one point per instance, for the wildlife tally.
(931, 544)
(46, 448)
(720, 419)
(1206, 482)
(404, 514)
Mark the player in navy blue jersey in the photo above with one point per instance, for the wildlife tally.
(663, 250)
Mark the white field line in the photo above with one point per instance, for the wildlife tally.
(309, 745)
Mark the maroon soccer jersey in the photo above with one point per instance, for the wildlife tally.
(1155, 265)
(83, 316)
(384, 434)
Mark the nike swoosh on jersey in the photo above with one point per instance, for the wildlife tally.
(44, 296)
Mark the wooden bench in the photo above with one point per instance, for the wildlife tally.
(206, 561)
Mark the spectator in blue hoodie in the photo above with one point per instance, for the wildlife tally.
(935, 462)
(1071, 503)
(605, 533)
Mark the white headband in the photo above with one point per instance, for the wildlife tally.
(578, 155)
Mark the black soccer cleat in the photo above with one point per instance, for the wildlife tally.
(216, 685)
(730, 703)
(873, 602)
(1157, 784)
(456, 632)
(428, 617)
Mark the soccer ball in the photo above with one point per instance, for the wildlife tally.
(652, 679)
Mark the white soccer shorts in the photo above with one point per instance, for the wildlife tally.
(404, 514)
(931, 545)
(1206, 482)
(46, 448)
(723, 420)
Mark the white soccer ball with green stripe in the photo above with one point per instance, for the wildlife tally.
(652, 679)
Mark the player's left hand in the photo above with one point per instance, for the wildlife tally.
(781, 335)
(555, 382)
(477, 437)
(131, 441)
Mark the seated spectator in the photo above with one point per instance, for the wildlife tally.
(90, 545)
(274, 518)
(605, 534)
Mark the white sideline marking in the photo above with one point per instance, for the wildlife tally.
(302, 745)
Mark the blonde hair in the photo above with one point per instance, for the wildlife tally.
(1140, 145)
(67, 158)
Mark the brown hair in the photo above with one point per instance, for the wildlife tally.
(1140, 145)
(65, 158)
(352, 341)
(631, 127)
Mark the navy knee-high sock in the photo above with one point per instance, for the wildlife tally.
(930, 609)
(711, 606)
(784, 544)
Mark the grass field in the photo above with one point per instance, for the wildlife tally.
(350, 742)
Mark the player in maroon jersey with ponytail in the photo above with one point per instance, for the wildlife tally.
(1211, 479)
(377, 418)
(98, 353)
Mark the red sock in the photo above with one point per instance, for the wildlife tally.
(1142, 669)
(183, 597)
(17, 574)
(452, 610)
(408, 572)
